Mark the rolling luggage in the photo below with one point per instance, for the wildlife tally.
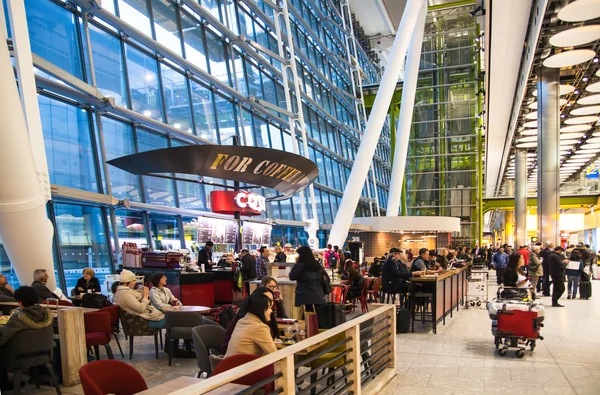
(402, 320)
(585, 289)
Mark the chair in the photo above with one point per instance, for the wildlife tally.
(29, 348)
(207, 340)
(251, 379)
(328, 356)
(179, 325)
(114, 324)
(374, 290)
(111, 377)
(97, 332)
(134, 325)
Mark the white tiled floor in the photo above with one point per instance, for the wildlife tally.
(461, 359)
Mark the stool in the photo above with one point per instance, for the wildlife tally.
(402, 298)
(426, 299)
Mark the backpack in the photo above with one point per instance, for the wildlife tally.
(223, 315)
(332, 259)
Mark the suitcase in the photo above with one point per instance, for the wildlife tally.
(585, 289)
(330, 315)
(402, 320)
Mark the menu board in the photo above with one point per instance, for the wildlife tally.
(219, 231)
(257, 234)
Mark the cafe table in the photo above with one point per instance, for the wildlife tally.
(195, 309)
(185, 381)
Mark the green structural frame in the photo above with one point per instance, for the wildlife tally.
(452, 153)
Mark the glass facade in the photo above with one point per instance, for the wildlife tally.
(444, 148)
(197, 108)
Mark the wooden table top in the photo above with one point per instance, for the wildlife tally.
(440, 276)
(184, 381)
(52, 306)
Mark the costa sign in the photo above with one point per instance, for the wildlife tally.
(283, 171)
(231, 202)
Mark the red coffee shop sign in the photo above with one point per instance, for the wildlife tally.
(231, 202)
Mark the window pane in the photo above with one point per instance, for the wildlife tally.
(109, 65)
(68, 145)
(164, 232)
(53, 35)
(193, 41)
(227, 119)
(83, 243)
(7, 269)
(177, 99)
(118, 142)
(204, 116)
(135, 12)
(217, 57)
(159, 191)
(131, 227)
(165, 24)
(143, 82)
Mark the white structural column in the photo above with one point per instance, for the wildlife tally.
(25, 230)
(407, 105)
(521, 197)
(387, 86)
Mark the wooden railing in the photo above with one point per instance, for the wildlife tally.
(366, 355)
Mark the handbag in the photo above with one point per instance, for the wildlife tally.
(325, 283)
(95, 301)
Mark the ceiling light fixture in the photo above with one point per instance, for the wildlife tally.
(569, 58)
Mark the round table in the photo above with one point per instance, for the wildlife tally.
(195, 309)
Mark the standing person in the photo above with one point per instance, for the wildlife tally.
(546, 269)
(500, 260)
(307, 274)
(534, 268)
(341, 256)
(280, 256)
(330, 257)
(556, 266)
(524, 251)
(573, 270)
(247, 268)
(262, 262)
(205, 256)
(5, 288)
(88, 283)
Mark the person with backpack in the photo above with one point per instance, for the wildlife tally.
(330, 257)
(247, 268)
(534, 267)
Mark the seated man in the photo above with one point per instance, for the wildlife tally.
(7, 293)
(40, 278)
(29, 315)
(420, 263)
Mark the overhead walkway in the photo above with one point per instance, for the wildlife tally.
(569, 201)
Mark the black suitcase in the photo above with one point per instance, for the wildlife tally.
(402, 320)
(330, 315)
(585, 289)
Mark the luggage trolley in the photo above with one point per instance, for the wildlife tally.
(477, 289)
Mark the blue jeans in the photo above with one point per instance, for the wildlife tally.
(573, 282)
(157, 324)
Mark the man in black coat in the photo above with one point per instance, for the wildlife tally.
(394, 274)
(205, 256)
(40, 278)
(546, 279)
(247, 268)
(556, 268)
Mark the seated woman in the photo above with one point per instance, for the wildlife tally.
(514, 278)
(252, 334)
(356, 282)
(242, 313)
(88, 283)
(136, 303)
(348, 264)
(375, 268)
(29, 315)
(161, 297)
(271, 284)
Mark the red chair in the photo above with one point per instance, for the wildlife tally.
(237, 360)
(114, 324)
(111, 377)
(97, 332)
(362, 298)
(374, 289)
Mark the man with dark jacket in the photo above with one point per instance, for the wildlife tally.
(500, 260)
(247, 267)
(546, 277)
(6, 290)
(394, 274)
(40, 278)
(557, 274)
(205, 256)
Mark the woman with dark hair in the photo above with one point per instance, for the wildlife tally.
(307, 273)
(573, 272)
(161, 297)
(252, 334)
(348, 264)
(271, 284)
(513, 275)
(242, 313)
(356, 282)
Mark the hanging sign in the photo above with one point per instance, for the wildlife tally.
(231, 202)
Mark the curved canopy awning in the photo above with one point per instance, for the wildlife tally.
(283, 171)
